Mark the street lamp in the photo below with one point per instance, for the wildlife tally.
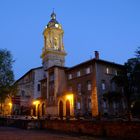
(10, 105)
(70, 98)
(36, 103)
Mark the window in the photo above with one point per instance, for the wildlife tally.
(79, 86)
(104, 104)
(114, 105)
(107, 70)
(89, 103)
(123, 104)
(22, 93)
(113, 85)
(51, 86)
(38, 87)
(78, 74)
(89, 85)
(51, 77)
(70, 76)
(116, 73)
(70, 88)
(78, 105)
(88, 70)
(103, 85)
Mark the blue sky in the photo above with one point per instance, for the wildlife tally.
(110, 26)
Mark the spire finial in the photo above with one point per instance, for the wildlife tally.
(53, 15)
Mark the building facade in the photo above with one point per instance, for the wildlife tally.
(29, 88)
(81, 90)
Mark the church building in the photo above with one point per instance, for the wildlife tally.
(56, 90)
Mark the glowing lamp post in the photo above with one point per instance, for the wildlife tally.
(35, 103)
(70, 98)
(10, 105)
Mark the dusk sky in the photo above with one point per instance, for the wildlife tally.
(110, 26)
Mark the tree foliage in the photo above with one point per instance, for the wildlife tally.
(6, 73)
(130, 80)
(137, 52)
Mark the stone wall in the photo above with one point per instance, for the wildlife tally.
(120, 130)
(127, 130)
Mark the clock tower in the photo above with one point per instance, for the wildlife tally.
(53, 52)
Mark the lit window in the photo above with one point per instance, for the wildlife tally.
(78, 74)
(89, 85)
(103, 85)
(88, 70)
(78, 105)
(107, 70)
(70, 76)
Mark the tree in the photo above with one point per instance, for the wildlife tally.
(130, 80)
(6, 74)
(137, 53)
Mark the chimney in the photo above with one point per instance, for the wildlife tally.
(96, 55)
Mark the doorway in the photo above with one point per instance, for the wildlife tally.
(61, 109)
(43, 109)
(67, 108)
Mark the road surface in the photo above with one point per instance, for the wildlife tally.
(8, 133)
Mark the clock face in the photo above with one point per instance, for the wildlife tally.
(56, 25)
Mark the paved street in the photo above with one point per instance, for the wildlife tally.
(20, 134)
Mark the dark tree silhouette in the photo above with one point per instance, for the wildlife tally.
(6, 75)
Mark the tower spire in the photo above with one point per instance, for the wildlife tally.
(53, 15)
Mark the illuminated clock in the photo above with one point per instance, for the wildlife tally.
(56, 25)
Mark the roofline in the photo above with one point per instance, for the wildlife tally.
(27, 73)
(61, 67)
(93, 61)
